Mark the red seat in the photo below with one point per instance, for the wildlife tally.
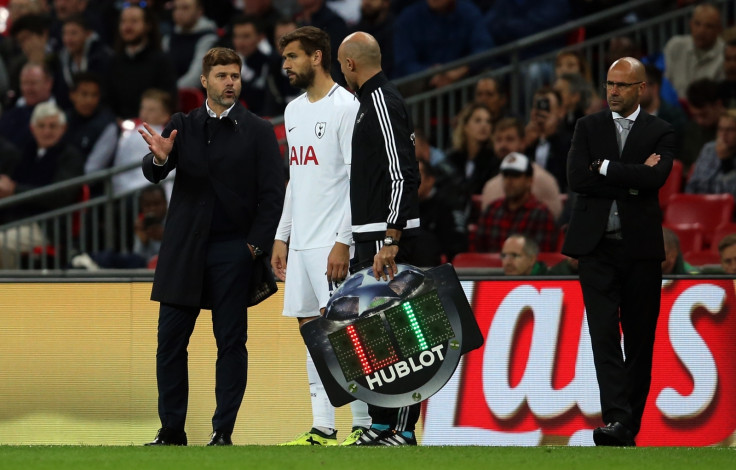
(708, 210)
(550, 258)
(703, 257)
(477, 260)
(690, 236)
(190, 98)
(673, 185)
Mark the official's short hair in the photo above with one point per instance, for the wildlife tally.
(220, 56)
(726, 242)
(311, 39)
(47, 109)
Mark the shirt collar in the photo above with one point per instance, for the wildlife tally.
(632, 117)
(214, 114)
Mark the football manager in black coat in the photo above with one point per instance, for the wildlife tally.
(619, 159)
(225, 207)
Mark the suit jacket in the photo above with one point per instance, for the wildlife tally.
(633, 185)
(241, 167)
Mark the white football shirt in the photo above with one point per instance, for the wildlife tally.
(319, 135)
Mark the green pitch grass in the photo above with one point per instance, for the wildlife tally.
(405, 458)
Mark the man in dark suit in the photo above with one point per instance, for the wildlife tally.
(616, 234)
(226, 204)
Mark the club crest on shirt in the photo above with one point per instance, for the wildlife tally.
(319, 129)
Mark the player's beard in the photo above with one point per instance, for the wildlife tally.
(304, 80)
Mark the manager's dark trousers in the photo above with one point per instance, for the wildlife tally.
(406, 417)
(226, 280)
(617, 289)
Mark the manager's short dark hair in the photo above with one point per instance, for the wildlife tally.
(220, 56)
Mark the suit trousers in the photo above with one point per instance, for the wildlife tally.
(621, 295)
(406, 417)
(227, 274)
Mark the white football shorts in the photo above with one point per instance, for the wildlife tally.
(307, 289)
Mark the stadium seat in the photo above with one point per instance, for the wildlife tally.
(190, 98)
(690, 236)
(477, 260)
(708, 210)
(550, 258)
(673, 185)
(701, 258)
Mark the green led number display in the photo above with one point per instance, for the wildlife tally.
(366, 345)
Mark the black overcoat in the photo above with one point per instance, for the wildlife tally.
(241, 166)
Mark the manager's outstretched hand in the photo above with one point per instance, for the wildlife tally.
(159, 146)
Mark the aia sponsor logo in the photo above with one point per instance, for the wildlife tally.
(302, 156)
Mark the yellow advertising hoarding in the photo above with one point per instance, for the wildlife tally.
(78, 366)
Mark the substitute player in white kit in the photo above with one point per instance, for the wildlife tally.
(316, 220)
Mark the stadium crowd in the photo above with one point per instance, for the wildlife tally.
(110, 65)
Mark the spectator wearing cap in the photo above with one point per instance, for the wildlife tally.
(517, 212)
(519, 257)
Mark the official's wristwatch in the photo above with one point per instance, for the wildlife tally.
(596, 166)
(390, 241)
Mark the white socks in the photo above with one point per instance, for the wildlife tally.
(323, 413)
